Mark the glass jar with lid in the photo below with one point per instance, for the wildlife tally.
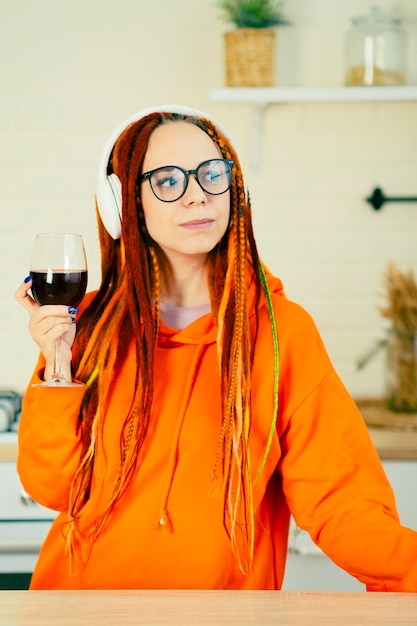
(376, 50)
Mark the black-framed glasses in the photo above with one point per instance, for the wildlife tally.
(169, 182)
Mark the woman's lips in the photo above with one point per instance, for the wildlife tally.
(197, 224)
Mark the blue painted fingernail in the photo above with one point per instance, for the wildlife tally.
(73, 320)
(72, 309)
(27, 279)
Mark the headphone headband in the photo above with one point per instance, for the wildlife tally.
(109, 188)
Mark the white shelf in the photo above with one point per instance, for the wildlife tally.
(261, 97)
(269, 95)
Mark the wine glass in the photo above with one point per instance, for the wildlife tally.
(58, 269)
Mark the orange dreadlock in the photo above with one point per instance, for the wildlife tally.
(127, 304)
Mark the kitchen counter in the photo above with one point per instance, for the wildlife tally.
(8, 446)
(257, 608)
(394, 434)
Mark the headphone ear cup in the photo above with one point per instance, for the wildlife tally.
(109, 202)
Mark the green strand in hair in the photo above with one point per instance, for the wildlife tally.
(276, 368)
(92, 377)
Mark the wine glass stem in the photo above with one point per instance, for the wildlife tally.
(57, 365)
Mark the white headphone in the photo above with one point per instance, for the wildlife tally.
(109, 187)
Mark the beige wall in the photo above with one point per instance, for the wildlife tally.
(72, 71)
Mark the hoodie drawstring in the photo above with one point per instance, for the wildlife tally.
(164, 522)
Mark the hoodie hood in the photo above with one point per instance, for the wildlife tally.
(203, 330)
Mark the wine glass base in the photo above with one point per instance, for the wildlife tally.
(57, 383)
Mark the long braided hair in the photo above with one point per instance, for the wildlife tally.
(127, 304)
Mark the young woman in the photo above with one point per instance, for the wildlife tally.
(210, 409)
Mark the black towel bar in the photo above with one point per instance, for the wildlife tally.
(377, 199)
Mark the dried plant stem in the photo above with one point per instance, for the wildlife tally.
(401, 306)
(401, 310)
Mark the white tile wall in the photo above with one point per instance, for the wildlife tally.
(318, 161)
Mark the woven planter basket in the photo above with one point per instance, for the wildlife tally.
(250, 57)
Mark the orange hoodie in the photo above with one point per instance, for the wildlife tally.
(322, 467)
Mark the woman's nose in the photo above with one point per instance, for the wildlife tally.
(194, 192)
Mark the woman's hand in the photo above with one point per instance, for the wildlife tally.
(47, 324)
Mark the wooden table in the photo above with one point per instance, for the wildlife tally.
(217, 608)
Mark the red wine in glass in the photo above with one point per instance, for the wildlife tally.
(59, 286)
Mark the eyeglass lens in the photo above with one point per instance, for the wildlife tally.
(170, 182)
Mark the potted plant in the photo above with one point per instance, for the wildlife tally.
(399, 342)
(250, 46)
